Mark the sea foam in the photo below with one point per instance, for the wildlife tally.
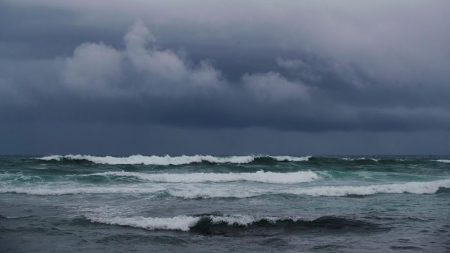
(66, 190)
(330, 191)
(409, 187)
(183, 222)
(259, 176)
(232, 224)
(232, 191)
(169, 160)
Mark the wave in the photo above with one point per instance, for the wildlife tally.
(170, 160)
(245, 159)
(193, 192)
(182, 223)
(232, 224)
(430, 187)
(365, 160)
(259, 176)
(362, 159)
(70, 190)
(15, 217)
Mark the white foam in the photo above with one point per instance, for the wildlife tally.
(443, 161)
(291, 158)
(168, 160)
(190, 191)
(410, 187)
(65, 190)
(259, 176)
(182, 222)
(245, 220)
(332, 191)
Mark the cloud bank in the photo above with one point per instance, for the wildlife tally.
(299, 67)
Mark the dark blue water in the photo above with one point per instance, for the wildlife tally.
(224, 204)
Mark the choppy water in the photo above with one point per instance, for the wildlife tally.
(224, 204)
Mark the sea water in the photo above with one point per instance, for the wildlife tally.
(204, 203)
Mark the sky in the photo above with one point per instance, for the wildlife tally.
(225, 77)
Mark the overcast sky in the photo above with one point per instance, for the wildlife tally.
(224, 77)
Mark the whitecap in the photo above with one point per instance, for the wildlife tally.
(259, 176)
(317, 191)
(183, 222)
(360, 159)
(190, 191)
(169, 160)
(65, 190)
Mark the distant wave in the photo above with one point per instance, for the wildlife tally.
(360, 159)
(429, 187)
(170, 160)
(246, 159)
(259, 176)
(364, 160)
(217, 224)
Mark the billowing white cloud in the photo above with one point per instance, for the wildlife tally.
(163, 67)
(145, 57)
(96, 67)
(93, 67)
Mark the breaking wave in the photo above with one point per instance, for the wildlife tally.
(242, 159)
(259, 176)
(170, 160)
(192, 192)
(69, 190)
(232, 224)
(409, 187)
(430, 187)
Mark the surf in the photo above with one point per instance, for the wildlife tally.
(259, 176)
(170, 160)
(234, 224)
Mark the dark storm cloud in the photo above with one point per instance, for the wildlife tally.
(289, 66)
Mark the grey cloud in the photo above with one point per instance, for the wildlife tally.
(412, 34)
(299, 66)
(162, 86)
(273, 87)
(93, 67)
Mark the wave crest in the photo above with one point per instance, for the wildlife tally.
(192, 192)
(232, 224)
(170, 160)
(259, 176)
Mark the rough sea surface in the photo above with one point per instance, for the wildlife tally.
(81, 203)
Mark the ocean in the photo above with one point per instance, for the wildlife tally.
(258, 203)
